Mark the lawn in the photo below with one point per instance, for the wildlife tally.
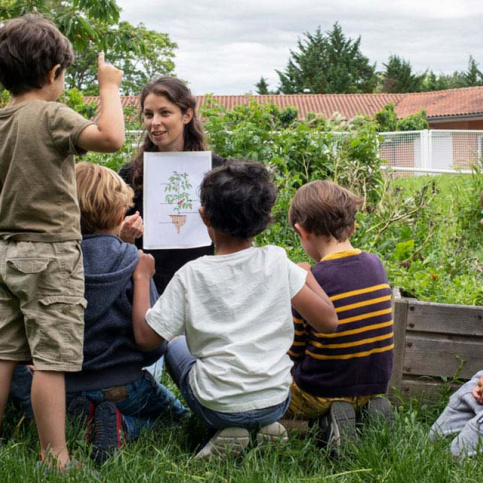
(441, 237)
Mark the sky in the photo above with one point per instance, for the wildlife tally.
(225, 46)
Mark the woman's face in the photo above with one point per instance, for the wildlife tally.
(164, 122)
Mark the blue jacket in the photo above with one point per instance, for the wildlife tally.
(111, 356)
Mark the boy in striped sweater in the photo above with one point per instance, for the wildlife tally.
(336, 375)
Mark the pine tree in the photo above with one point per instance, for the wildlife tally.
(328, 63)
(399, 77)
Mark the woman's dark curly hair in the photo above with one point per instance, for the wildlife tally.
(178, 93)
(238, 198)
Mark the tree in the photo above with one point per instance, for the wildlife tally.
(398, 76)
(262, 86)
(470, 78)
(328, 63)
(473, 76)
(74, 18)
(153, 55)
(92, 26)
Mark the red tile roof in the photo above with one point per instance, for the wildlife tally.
(449, 103)
(452, 102)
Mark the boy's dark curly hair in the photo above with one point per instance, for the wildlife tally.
(30, 47)
(238, 198)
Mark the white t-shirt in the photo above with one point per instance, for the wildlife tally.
(235, 310)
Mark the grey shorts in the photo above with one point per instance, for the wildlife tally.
(42, 304)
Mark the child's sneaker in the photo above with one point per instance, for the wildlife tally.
(107, 431)
(380, 408)
(272, 433)
(337, 427)
(82, 409)
(228, 442)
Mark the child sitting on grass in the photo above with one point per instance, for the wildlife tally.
(337, 374)
(463, 419)
(232, 365)
(112, 387)
(41, 280)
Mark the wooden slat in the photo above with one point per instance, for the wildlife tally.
(421, 389)
(431, 356)
(445, 319)
(400, 308)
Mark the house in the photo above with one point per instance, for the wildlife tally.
(448, 109)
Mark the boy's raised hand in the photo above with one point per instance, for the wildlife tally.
(107, 74)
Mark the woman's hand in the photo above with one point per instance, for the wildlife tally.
(132, 227)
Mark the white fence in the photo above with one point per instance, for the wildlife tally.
(428, 151)
(432, 151)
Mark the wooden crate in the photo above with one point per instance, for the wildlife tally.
(432, 340)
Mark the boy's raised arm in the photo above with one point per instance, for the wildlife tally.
(146, 338)
(108, 134)
(314, 305)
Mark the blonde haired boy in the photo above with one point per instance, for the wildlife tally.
(113, 390)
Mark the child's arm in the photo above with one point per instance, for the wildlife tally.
(313, 304)
(146, 338)
(107, 135)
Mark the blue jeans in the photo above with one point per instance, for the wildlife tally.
(179, 362)
(141, 403)
(20, 388)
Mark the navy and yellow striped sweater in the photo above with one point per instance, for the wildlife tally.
(357, 359)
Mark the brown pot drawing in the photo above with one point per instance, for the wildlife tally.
(178, 221)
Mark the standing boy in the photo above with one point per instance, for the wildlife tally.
(41, 277)
(336, 374)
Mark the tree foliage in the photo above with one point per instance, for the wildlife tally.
(93, 26)
(386, 120)
(262, 86)
(153, 56)
(472, 77)
(328, 63)
(399, 77)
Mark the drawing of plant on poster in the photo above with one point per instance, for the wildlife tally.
(177, 194)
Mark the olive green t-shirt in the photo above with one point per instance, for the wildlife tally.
(38, 196)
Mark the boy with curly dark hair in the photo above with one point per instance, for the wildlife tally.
(232, 365)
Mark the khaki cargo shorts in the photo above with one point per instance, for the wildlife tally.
(42, 304)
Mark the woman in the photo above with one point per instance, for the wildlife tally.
(168, 111)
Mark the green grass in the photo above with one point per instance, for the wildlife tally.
(402, 454)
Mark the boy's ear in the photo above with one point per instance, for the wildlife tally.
(122, 212)
(203, 217)
(304, 234)
(53, 74)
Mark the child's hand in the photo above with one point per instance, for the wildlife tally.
(132, 227)
(145, 267)
(478, 391)
(107, 74)
(304, 265)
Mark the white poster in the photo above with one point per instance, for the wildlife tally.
(171, 199)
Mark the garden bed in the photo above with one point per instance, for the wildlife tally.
(435, 345)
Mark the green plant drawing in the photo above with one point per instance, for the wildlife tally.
(177, 192)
